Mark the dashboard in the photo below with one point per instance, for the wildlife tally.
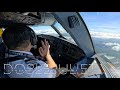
(62, 51)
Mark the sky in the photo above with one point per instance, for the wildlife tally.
(104, 25)
(102, 21)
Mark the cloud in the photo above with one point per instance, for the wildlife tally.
(47, 32)
(114, 46)
(105, 35)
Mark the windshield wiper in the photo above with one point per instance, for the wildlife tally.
(60, 35)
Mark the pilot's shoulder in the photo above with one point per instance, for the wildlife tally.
(36, 63)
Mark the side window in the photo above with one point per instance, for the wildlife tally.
(104, 28)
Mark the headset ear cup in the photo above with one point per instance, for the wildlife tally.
(33, 38)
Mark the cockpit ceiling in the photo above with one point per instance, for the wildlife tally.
(29, 18)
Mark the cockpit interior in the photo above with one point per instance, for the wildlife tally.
(74, 56)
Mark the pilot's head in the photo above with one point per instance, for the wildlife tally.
(18, 37)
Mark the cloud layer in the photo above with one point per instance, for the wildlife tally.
(114, 46)
(105, 35)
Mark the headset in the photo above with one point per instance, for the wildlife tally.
(33, 37)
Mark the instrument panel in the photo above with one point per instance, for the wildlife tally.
(62, 51)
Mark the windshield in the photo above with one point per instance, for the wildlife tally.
(38, 29)
(64, 33)
(105, 32)
(55, 30)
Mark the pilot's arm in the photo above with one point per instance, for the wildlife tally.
(45, 53)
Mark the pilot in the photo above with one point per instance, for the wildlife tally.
(19, 39)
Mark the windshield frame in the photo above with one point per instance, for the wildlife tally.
(87, 31)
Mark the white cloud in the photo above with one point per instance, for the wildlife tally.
(114, 46)
(47, 31)
(105, 35)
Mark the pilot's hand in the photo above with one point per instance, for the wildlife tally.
(44, 50)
